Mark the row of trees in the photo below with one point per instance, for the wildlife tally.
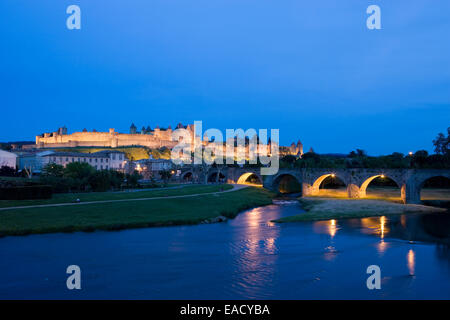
(419, 160)
(82, 177)
(359, 159)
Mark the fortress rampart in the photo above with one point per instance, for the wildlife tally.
(156, 138)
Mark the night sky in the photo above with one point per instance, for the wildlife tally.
(310, 68)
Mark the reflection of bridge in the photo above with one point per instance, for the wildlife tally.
(410, 181)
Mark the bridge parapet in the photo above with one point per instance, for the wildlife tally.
(410, 181)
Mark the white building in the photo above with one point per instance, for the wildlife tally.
(8, 159)
(102, 160)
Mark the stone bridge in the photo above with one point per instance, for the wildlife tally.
(356, 180)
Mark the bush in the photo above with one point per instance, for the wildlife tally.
(100, 181)
(26, 193)
(6, 171)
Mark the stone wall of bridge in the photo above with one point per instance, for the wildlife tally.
(356, 180)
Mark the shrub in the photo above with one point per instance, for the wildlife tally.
(6, 171)
(26, 193)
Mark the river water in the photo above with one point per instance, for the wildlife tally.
(248, 257)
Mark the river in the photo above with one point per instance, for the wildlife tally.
(248, 257)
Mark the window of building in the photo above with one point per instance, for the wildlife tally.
(114, 156)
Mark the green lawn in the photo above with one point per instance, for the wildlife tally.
(132, 214)
(99, 196)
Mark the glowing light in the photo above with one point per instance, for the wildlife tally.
(403, 221)
(333, 175)
(270, 245)
(382, 246)
(382, 176)
(410, 153)
(382, 223)
(332, 229)
(411, 257)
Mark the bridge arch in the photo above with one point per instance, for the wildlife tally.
(216, 176)
(243, 179)
(442, 178)
(314, 188)
(322, 178)
(367, 181)
(187, 176)
(287, 183)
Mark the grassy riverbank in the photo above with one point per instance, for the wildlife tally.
(131, 214)
(326, 208)
(102, 196)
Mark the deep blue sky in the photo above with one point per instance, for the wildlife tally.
(310, 68)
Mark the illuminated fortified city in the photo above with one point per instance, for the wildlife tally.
(146, 137)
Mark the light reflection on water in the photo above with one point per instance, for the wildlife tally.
(411, 261)
(245, 258)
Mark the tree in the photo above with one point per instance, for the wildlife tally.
(100, 180)
(5, 146)
(419, 158)
(360, 153)
(165, 175)
(442, 143)
(79, 174)
(116, 178)
(78, 170)
(7, 171)
(53, 170)
(133, 179)
(289, 159)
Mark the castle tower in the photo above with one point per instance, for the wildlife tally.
(133, 129)
(292, 148)
(62, 130)
(156, 132)
(299, 148)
